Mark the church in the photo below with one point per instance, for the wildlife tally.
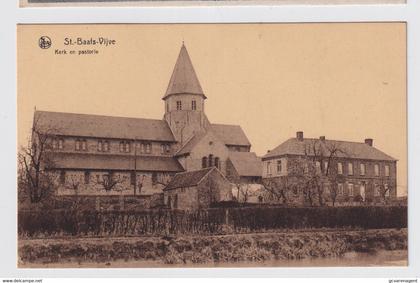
(103, 155)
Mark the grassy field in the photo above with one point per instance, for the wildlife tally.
(215, 250)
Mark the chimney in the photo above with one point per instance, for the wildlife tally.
(369, 142)
(299, 136)
(322, 138)
(268, 151)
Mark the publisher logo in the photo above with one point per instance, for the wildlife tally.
(44, 42)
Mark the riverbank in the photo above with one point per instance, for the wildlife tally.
(248, 249)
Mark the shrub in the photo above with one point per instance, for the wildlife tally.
(164, 222)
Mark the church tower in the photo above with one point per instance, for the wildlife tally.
(184, 100)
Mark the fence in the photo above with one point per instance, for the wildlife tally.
(210, 221)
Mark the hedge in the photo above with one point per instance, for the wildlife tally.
(164, 222)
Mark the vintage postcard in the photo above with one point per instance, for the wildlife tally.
(212, 145)
(49, 3)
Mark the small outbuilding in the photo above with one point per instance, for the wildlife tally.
(197, 189)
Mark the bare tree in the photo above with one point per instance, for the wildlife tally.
(277, 189)
(385, 187)
(321, 169)
(242, 192)
(110, 182)
(73, 183)
(35, 160)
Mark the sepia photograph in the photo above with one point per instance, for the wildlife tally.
(212, 145)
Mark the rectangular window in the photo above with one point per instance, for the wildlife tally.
(106, 146)
(340, 189)
(351, 188)
(268, 168)
(54, 144)
(387, 170)
(178, 105)
(133, 178)
(77, 145)
(376, 168)
(279, 166)
(362, 169)
(350, 168)
(62, 177)
(325, 166)
(340, 168)
(377, 191)
(127, 147)
(318, 167)
(148, 147)
(60, 143)
(99, 145)
(87, 177)
(154, 178)
(193, 105)
(386, 188)
(84, 145)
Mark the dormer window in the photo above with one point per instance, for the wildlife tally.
(193, 105)
(178, 105)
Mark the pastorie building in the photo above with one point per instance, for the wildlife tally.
(347, 171)
(103, 155)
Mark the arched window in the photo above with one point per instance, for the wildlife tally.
(204, 162)
(211, 160)
(217, 162)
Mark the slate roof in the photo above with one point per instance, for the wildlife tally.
(247, 164)
(85, 125)
(230, 134)
(188, 179)
(188, 147)
(114, 162)
(357, 150)
(184, 78)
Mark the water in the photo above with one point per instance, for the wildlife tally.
(381, 258)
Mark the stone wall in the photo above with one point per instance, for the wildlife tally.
(78, 182)
(69, 145)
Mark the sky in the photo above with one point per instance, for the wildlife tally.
(345, 81)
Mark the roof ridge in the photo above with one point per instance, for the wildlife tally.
(357, 150)
(219, 124)
(96, 115)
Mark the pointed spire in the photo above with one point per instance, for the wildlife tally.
(184, 79)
